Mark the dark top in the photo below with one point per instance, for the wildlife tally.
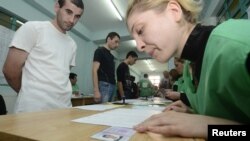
(123, 75)
(195, 47)
(194, 52)
(248, 63)
(3, 110)
(106, 71)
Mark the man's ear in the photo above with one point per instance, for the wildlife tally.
(174, 8)
(56, 7)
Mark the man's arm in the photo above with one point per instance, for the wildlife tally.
(95, 68)
(13, 67)
(120, 77)
(120, 89)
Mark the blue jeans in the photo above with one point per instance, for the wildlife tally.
(107, 91)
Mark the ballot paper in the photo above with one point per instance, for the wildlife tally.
(120, 117)
(98, 107)
(114, 134)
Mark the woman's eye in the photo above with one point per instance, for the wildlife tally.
(139, 32)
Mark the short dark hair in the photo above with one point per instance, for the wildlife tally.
(78, 3)
(145, 75)
(174, 74)
(72, 75)
(111, 35)
(132, 78)
(132, 54)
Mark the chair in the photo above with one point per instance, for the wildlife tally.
(3, 110)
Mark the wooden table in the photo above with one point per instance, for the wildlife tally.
(84, 100)
(56, 125)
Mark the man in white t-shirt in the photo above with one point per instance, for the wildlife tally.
(40, 57)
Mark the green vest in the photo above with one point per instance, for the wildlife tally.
(145, 88)
(224, 85)
(75, 88)
(180, 84)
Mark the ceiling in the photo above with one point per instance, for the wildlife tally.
(99, 18)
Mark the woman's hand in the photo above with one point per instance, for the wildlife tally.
(178, 106)
(173, 95)
(171, 123)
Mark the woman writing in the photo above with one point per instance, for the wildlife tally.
(218, 87)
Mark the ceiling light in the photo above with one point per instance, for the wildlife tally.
(149, 64)
(114, 8)
(134, 43)
(21, 23)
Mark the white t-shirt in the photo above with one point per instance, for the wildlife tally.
(45, 75)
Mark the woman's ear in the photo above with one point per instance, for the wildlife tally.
(175, 10)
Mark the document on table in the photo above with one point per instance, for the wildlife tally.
(98, 107)
(120, 117)
(114, 134)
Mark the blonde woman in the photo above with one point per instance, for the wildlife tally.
(166, 28)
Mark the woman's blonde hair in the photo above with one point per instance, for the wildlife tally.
(190, 8)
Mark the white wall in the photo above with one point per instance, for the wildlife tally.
(9, 96)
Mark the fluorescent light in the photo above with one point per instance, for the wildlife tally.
(134, 43)
(149, 64)
(21, 23)
(114, 8)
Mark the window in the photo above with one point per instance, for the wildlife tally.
(10, 20)
(233, 9)
(155, 79)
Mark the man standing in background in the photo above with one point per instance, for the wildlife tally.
(123, 76)
(103, 69)
(75, 87)
(40, 57)
(146, 87)
(165, 81)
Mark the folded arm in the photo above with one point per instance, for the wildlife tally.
(13, 67)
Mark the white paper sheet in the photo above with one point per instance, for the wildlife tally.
(119, 117)
(98, 107)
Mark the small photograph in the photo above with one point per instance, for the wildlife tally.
(107, 137)
(114, 134)
(111, 137)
